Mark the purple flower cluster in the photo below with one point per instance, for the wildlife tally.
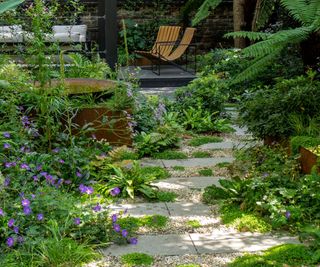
(115, 191)
(86, 189)
(160, 111)
(124, 233)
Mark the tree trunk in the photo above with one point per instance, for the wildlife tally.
(238, 21)
(310, 51)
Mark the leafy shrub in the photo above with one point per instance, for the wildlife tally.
(178, 168)
(149, 221)
(305, 141)
(204, 93)
(127, 181)
(272, 187)
(163, 138)
(266, 111)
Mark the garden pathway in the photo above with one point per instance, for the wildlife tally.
(215, 239)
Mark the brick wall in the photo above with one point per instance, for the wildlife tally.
(209, 34)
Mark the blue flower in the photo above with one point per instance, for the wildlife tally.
(133, 241)
(40, 217)
(114, 218)
(77, 221)
(10, 242)
(27, 210)
(117, 228)
(6, 135)
(11, 222)
(97, 208)
(124, 233)
(115, 191)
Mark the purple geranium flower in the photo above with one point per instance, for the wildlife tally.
(11, 222)
(89, 190)
(10, 242)
(56, 150)
(288, 214)
(6, 146)
(77, 221)
(6, 135)
(25, 202)
(27, 210)
(117, 228)
(97, 208)
(67, 181)
(124, 233)
(61, 161)
(16, 229)
(6, 182)
(133, 241)
(115, 191)
(114, 218)
(78, 174)
(40, 217)
(20, 239)
(1, 212)
(25, 166)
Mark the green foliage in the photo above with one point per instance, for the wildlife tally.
(82, 67)
(201, 140)
(267, 110)
(155, 171)
(243, 221)
(163, 196)
(304, 141)
(205, 9)
(304, 125)
(170, 154)
(265, 51)
(205, 93)
(9, 5)
(137, 259)
(200, 154)
(311, 235)
(150, 221)
(189, 265)
(130, 181)
(206, 172)
(163, 138)
(293, 255)
(271, 186)
(122, 153)
(194, 223)
(63, 252)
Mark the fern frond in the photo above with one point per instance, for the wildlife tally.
(253, 36)
(116, 153)
(204, 10)
(278, 39)
(264, 10)
(257, 66)
(298, 9)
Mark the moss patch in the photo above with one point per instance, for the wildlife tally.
(155, 171)
(279, 256)
(137, 259)
(201, 140)
(206, 172)
(201, 154)
(170, 154)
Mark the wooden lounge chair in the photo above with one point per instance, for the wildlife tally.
(166, 34)
(163, 51)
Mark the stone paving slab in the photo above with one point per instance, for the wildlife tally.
(141, 209)
(237, 242)
(188, 182)
(151, 162)
(182, 209)
(226, 145)
(162, 245)
(241, 131)
(199, 162)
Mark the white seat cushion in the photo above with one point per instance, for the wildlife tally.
(81, 30)
(63, 37)
(11, 34)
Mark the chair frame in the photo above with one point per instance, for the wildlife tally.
(158, 59)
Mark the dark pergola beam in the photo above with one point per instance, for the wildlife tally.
(108, 31)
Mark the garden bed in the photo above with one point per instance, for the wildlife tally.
(308, 160)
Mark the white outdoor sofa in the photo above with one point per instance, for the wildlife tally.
(67, 34)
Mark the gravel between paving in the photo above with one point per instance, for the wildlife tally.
(204, 260)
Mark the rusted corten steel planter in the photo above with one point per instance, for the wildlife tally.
(308, 160)
(110, 125)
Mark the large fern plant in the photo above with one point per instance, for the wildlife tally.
(270, 45)
(9, 5)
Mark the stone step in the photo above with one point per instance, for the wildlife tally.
(227, 145)
(175, 209)
(188, 182)
(169, 245)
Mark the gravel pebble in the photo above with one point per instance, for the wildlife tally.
(204, 260)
